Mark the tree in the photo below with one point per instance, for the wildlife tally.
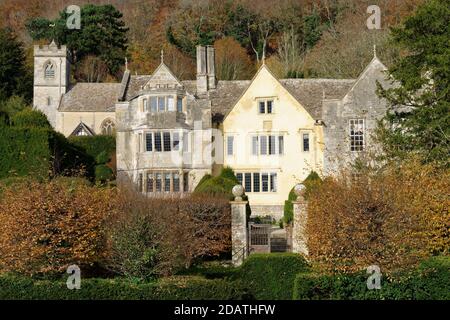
(14, 78)
(423, 127)
(102, 34)
(232, 61)
(13, 105)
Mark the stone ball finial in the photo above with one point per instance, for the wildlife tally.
(238, 191)
(299, 189)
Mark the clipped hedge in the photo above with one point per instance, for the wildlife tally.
(271, 276)
(176, 288)
(98, 147)
(429, 282)
(30, 118)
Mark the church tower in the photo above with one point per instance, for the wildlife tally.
(51, 78)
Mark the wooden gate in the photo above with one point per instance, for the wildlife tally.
(259, 237)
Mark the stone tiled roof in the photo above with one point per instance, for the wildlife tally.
(91, 97)
(311, 92)
(225, 96)
(135, 84)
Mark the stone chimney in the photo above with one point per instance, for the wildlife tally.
(206, 75)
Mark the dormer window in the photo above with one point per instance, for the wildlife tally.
(49, 70)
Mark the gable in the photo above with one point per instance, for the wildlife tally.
(162, 78)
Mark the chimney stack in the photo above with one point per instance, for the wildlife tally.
(206, 76)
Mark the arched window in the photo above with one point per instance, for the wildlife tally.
(108, 127)
(49, 70)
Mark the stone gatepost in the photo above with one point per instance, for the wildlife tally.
(239, 236)
(299, 241)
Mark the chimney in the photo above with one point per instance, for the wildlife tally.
(202, 77)
(210, 55)
(206, 74)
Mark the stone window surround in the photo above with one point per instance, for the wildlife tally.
(270, 174)
(265, 99)
(147, 97)
(183, 140)
(183, 184)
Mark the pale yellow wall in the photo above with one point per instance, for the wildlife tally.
(289, 118)
(68, 121)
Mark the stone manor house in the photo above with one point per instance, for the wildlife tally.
(170, 132)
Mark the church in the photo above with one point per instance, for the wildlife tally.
(170, 132)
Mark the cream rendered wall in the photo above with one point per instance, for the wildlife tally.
(290, 119)
(66, 122)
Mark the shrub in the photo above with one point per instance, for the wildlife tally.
(218, 186)
(30, 118)
(152, 236)
(175, 288)
(46, 227)
(311, 183)
(429, 281)
(13, 105)
(393, 218)
(103, 157)
(103, 173)
(95, 146)
(271, 276)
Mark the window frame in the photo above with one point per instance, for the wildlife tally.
(353, 146)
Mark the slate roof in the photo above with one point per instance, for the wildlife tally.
(101, 97)
(91, 97)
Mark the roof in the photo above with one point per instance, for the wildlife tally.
(311, 92)
(91, 97)
(225, 96)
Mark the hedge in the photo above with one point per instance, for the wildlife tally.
(271, 276)
(95, 146)
(429, 282)
(175, 288)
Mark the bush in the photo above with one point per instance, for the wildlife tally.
(30, 118)
(311, 182)
(394, 218)
(103, 173)
(46, 227)
(13, 105)
(218, 186)
(428, 282)
(98, 147)
(271, 276)
(176, 288)
(152, 236)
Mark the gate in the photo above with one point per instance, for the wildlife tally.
(259, 237)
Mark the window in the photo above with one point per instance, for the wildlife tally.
(148, 142)
(167, 178)
(265, 106)
(271, 144)
(150, 181)
(186, 182)
(176, 182)
(261, 182)
(153, 104)
(49, 101)
(255, 146)
(108, 127)
(265, 182)
(263, 140)
(239, 177)
(280, 145)
(306, 142)
(269, 106)
(180, 104)
(273, 182)
(161, 103)
(230, 145)
(49, 70)
(357, 135)
(145, 105)
(185, 142)
(166, 138)
(248, 182)
(158, 146)
(256, 182)
(158, 184)
(176, 141)
(170, 104)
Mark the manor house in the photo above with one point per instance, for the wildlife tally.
(171, 132)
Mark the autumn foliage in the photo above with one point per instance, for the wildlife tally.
(45, 227)
(392, 219)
